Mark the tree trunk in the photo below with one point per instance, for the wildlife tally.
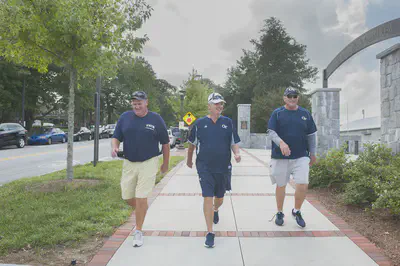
(71, 107)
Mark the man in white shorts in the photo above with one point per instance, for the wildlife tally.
(141, 131)
(292, 131)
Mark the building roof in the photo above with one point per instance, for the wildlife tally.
(362, 124)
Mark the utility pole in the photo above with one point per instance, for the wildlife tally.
(23, 103)
(97, 117)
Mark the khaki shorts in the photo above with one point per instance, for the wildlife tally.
(281, 169)
(138, 178)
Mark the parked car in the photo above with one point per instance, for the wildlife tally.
(110, 129)
(174, 130)
(46, 135)
(178, 138)
(103, 133)
(82, 133)
(12, 134)
(172, 138)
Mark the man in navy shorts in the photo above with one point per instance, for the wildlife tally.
(293, 133)
(213, 136)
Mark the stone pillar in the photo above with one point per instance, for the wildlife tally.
(244, 124)
(326, 114)
(390, 97)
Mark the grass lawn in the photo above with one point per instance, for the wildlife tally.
(45, 211)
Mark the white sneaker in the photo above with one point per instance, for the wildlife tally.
(137, 238)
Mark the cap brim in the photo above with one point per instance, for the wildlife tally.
(217, 101)
(138, 98)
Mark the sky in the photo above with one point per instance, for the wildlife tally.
(209, 35)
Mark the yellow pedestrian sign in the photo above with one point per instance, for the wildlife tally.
(189, 118)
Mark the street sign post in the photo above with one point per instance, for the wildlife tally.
(189, 118)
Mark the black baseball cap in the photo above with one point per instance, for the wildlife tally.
(290, 91)
(139, 95)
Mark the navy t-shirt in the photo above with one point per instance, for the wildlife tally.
(213, 143)
(292, 126)
(141, 135)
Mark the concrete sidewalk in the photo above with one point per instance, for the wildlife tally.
(175, 227)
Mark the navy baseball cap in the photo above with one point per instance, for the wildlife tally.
(139, 95)
(290, 91)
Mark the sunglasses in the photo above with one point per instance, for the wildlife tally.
(138, 94)
(292, 96)
(216, 97)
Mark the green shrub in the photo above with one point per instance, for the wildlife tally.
(376, 154)
(373, 179)
(329, 169)
(388, 193)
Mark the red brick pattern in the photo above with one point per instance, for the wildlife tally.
(232, 194)
(245, 233)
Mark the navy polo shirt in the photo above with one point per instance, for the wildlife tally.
(141, 135)
(292, 126)
(213, 143)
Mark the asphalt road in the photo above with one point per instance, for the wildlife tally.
(38, 160)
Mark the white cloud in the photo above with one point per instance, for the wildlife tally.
(351, 17)
(210, 35)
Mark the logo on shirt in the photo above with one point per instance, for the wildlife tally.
(205, 126)
(304, 118)
(149, 126)
(224, 126)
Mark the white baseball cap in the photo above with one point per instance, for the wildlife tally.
(215, 98)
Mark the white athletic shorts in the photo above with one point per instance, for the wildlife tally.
(281, 169)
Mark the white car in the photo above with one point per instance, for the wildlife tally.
(110, 128)
(172, 139)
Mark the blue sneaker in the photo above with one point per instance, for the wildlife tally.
(209, 240)
(279, 218)
(216, 217)
(299, 219)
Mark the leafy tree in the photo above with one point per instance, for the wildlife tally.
(278, 61)
(86, 37)
(196, 95)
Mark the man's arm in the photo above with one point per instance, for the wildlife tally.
(116, 139)
(312, 139)
(272, 135)
(166, 153)
(312, 147)
(192, 140)
(114, 147)
(189, 161)
(235, 149)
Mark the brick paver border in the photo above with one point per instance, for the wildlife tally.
(115, 241)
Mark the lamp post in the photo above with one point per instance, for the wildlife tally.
(182, 94)
(97, 117)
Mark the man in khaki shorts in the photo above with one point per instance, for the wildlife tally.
(141, 131)
(292, 131)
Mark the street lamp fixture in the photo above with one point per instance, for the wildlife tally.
(182, 94)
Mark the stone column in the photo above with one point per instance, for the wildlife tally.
(390, 97)
(244, 124)
(326, 114)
